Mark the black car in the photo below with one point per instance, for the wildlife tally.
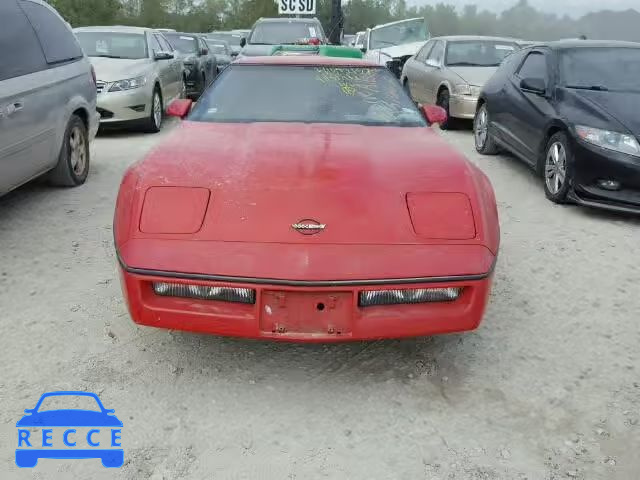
(570, 110)
(200, 66)
(221, 50)
(267, 32)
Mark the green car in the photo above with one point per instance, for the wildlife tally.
(325, 50)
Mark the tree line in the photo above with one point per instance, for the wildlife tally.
(521, 20)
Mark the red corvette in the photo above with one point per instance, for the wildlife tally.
(306, 199)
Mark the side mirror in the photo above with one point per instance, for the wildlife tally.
(533, 85)
(180, 108)
(434, 114)
(162, 55)
(204, 51)
(243, 42)
(432, 63)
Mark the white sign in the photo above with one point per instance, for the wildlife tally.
(297, 7)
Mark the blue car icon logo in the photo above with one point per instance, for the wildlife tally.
(69, 433)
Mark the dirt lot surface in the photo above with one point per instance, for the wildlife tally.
(547, 388)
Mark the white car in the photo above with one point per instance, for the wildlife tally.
(393, 43)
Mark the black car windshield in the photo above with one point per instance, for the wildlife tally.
(309, 94)
(607, 68)
(218, 48)
(478, 53)
(130, 46)
(182, 43)
(232, 39)
(399, 33)
(284, 32)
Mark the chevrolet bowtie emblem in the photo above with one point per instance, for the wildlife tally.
(308, 227)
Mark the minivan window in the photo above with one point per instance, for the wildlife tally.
(56, 38)
(535, 66)
(131, 46)
(21, 50)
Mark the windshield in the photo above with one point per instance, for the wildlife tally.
(69, 402)
(310, 94)
(478, 53)
(399, 33)
(216, 48)
(231, 38)
(182, 43)
(605, 68)
(278, 33)
(113, 45)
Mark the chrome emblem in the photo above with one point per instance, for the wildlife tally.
(308, 227)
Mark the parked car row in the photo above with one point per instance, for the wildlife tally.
(568, 109)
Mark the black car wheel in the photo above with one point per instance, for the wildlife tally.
(73, 162)
(485, 144)
(153, 123)
(558, 168)
(443, 101)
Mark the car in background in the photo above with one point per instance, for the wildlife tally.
(393, 43)
(137, 73)
(221, 50)
(200, 65)
(347, 40)
(450, 72)
(272, 236)
(233, 38)
(569, 110)
(267, 32)
(47, 98)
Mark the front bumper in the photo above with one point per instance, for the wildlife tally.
(594, 163)
(304, 313)
(462, 106)
(126, 106)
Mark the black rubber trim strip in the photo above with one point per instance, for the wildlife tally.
(303, 283)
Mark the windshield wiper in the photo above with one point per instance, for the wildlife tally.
(595, 88)
(107, 56)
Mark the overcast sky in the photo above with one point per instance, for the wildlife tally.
(571, 7)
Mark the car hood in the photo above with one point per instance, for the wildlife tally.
(476, 76)
(262, 177)
(619, 107)
(406, 49)
(113, 69)
(69, 418)
(256, 50)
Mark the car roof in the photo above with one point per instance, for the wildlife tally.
(115, 28)
(466, 38)
(577, 43)
(312, 60)
(287, 19)
(396, 22)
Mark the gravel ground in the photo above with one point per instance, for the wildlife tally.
(547, 388)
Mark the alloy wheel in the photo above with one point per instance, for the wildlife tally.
(77, 151)
(157, 110)
(481, 127)
(555, 169)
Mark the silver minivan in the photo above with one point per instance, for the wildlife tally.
(47, 98)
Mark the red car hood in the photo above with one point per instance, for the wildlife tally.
(264, 177)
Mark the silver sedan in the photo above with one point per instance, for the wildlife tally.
(138, 74)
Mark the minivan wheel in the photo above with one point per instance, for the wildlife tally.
(485, 144)
(73, 163)
(154, 122)
(558, 168)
